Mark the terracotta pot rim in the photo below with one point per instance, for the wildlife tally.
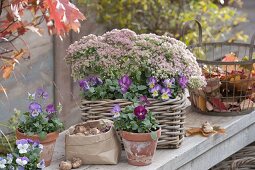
(52, 136)
(139, 136)
(140, 133)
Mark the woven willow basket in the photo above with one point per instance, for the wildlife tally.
(170, 115)
(241, 160)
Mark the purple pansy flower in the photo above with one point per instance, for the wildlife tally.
(166, 94)
(41, 93)
(9, 158)
(22, 145)
(99, 81)
(22, 161)
(140, 112)
(183, 81)
(124, 83)
(35, 109)
(41, 164)
(94, 80)
(84, 85)
(21, 141)
(144, 100)
(155, 90)
(36, 144)
(169, 82)
(2, 163)
(30, 141)
(51, 109)
(152, 82)
(116, 111)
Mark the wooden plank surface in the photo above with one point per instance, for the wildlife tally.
(195, 153)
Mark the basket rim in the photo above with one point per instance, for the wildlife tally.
(179, 97)
(223, 114)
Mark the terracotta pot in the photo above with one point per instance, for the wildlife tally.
(48, 144)
(139, 147)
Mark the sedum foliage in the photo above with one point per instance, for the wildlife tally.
(167, 16)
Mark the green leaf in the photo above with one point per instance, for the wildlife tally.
(134, 125)
(154, 135)
(130, 116)
(42, 135)
(30, 133)
(138, 75)
(142, 87)
(92, 89)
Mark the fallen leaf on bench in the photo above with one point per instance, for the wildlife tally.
(206, 130)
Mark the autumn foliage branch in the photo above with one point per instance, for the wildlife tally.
(17, 17)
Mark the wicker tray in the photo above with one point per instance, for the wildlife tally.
(241, 160)
(170, 115)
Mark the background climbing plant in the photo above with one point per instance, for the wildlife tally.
(218, 17)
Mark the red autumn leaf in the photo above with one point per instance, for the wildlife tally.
(7, 70)
(55, 15)
(65, 16)
(218, 104)
(230, 58)
(72, 16)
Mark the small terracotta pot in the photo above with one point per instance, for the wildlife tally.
(48, 144)
(139, 147)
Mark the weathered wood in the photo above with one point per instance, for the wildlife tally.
(196, 152)
(62, 78)
(67, 91)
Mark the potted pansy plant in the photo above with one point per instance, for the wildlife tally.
(25, 156)
(120, 66)
(139, 131)
(40, 123)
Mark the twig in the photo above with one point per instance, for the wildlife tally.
(6, 140)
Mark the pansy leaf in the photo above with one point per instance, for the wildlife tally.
(42, 135)
(154, 135)
(30, 133)
(131, 116)
(142, 87)
(92, 89)
(134, 125)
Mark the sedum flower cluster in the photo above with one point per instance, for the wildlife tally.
(123, 64)
(40, 120)
(26, 156)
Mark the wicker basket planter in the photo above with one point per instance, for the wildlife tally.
(170, 115)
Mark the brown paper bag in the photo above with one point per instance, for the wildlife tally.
(102, 148)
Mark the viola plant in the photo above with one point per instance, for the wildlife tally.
(39, 119)
(127, 88)
(26, 156)
(135, 118)
(125, 65)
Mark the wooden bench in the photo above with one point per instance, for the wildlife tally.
(196, 153)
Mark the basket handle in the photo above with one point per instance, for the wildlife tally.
(251, 46)
(186, 24)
